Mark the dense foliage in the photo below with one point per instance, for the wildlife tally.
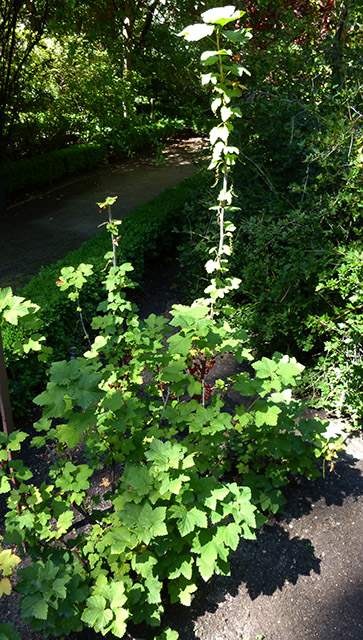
(143, 240)
(298, 246)
(82, 71)
(152, 481)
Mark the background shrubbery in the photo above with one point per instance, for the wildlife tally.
(298, 246)
(51, 166)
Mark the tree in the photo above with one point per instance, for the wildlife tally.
(22, 25)
(52, 51)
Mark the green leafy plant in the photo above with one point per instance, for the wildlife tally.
(8, 561)
(142, 240)
(224, 76)
(21, 313)
(298, 185)
(152, 482)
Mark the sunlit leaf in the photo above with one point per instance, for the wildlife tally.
(195, 32)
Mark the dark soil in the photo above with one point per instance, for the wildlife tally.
(301, 579)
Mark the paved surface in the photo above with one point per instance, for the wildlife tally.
(47, 226)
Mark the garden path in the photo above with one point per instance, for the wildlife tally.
(47, 225)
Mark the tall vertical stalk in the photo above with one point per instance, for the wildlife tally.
(223, 75)
(111, 225)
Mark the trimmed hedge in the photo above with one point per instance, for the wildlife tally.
(147, 232)
(44, 169)
(49, 167)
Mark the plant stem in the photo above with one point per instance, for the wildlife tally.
(112, 237)
(84, 329)
(221, 212)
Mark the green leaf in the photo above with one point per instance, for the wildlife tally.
(6, 295)
(114, 401)
(207, 559)
(53, 399)
(63, 371)
(96, 614)
(189, 519)
(5, 587)
(15, 439)
(246, 385)
(110, 200)
(143, 563)
(216, 495)
(185, 595)
(64, 521)
(267, 415)
(222, 15)
(230, 535)
(138, 478)
(165, 455)
(86, 391)
(288, 369)
(211, 57)
(209, 78)
(5, 485)
(152, 522)
(195, 32)
(239, 35)
(34, 606)
(220, 132)
(8, 560)
(180, 566)
(153, 589)
(68, 435)
(187, 317)
(216, 104)
(194, 387)
(7, 632)
(180, 344)
(265, 368)
(168, 634)
(59, 588)
(18, 309)
(33, 343)
(226, 113)
(119, 626)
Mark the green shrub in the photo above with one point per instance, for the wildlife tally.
(48, 167)
(145, 234)
(167, 482)
(135, 137)
(153, 480)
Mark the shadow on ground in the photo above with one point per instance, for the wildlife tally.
(265, 566)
